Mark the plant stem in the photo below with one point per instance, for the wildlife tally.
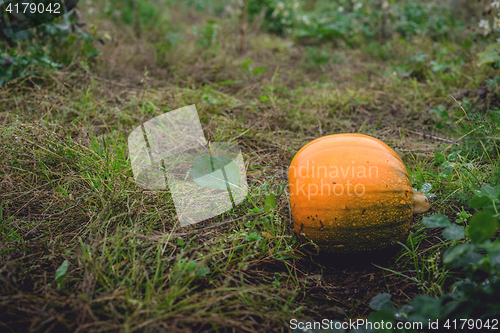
(494, 206)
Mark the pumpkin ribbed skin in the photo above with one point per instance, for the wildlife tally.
(373, 211)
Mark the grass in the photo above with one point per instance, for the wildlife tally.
(67, 191)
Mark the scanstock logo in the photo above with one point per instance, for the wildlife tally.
(19, 15)
(204, 179)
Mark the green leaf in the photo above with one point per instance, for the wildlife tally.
(482, 227)
(253, 237)
(494, 253)
(490, 55)
(180, 242)
(264, 187)
(207, 171)
(479, 201)
(381, 301)
(61, 272)
(492, 82)
(202, 271)
(436, 66)
(447, 171)
(425, 308)
(454, 155)
(259, 70)
(436, 221)
(451, 254)
(490, 192)
(439, 158)
(464, 215)
(448, 308)
(454, 232)
(384, 315)
(419, 57)
(444, 114)
(263, 220)
(188, 269)
(459, 255)
(270, 202)
(246, 63)
(467, 44)
(329, 32)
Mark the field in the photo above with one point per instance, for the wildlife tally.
(85, 249)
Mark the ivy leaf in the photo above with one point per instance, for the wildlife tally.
(381, 301)
(482, 227)
(436, 221)
(479, 201)
(454, 232)
(490, 55)
(207, 171)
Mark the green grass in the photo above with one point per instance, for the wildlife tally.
(67, 190)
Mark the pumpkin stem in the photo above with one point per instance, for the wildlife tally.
(420, 202)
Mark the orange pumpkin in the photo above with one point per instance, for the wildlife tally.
(351, 193)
